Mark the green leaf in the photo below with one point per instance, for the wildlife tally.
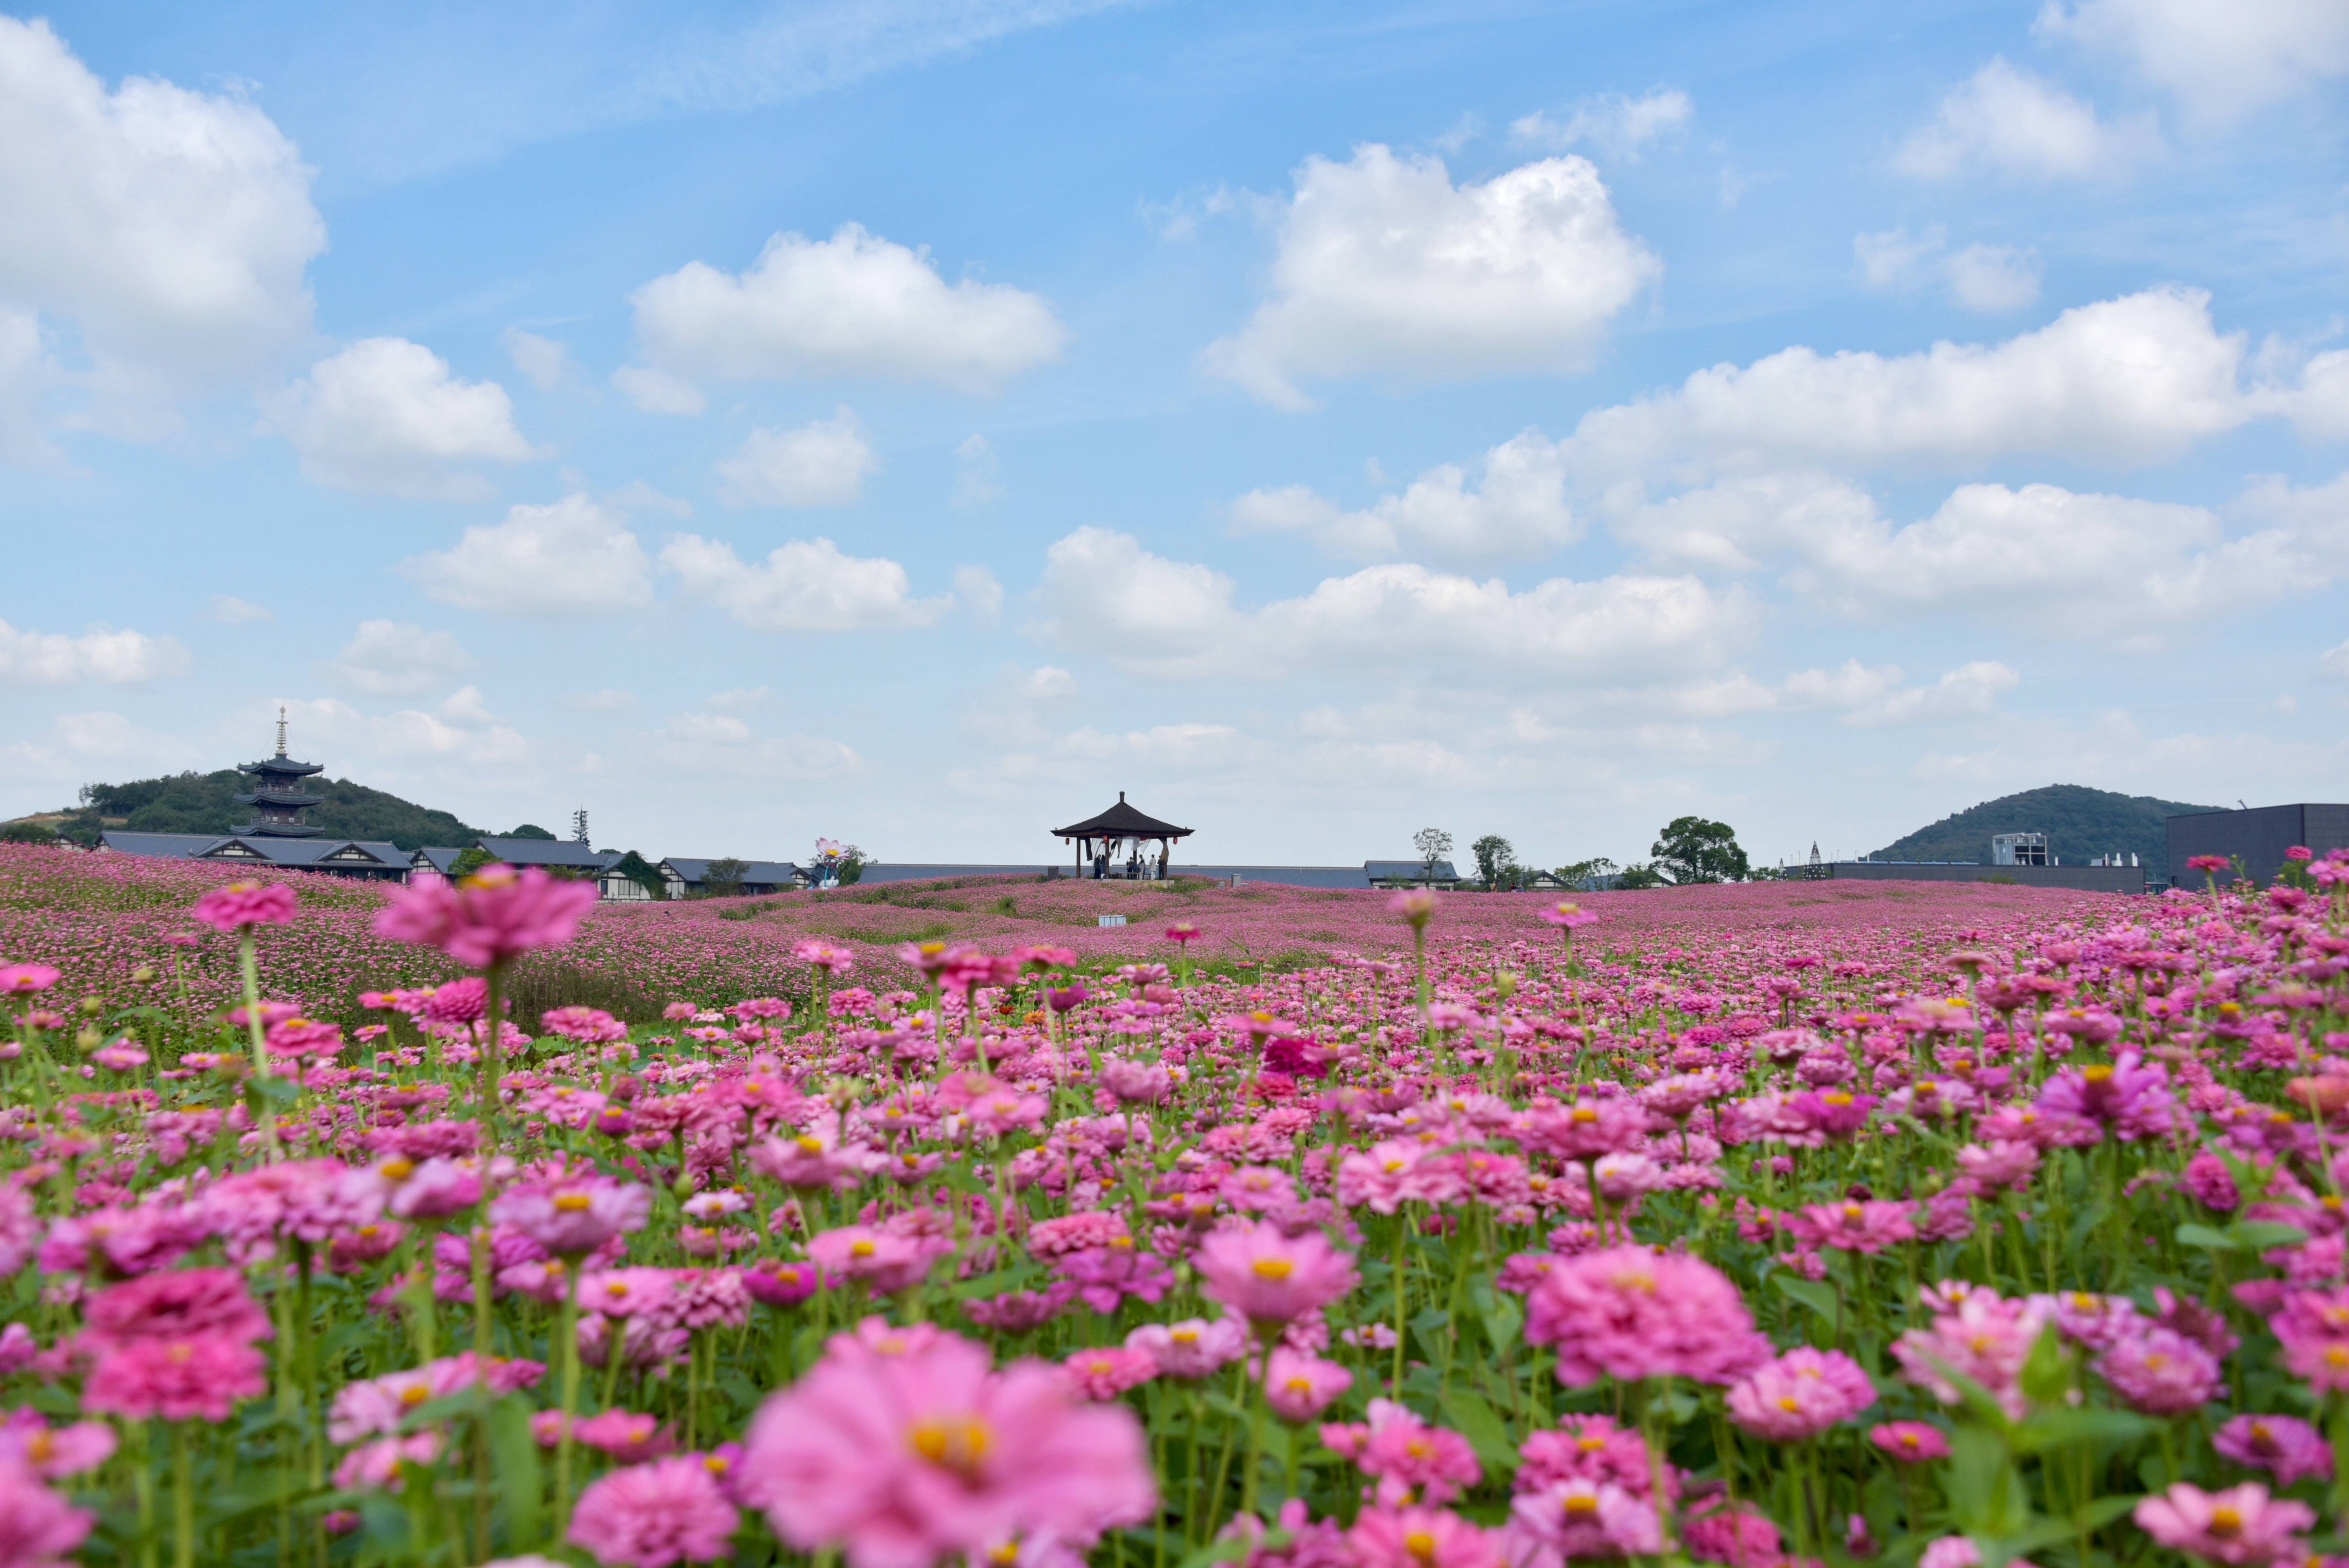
(1483, 1428)
(2047, 1371)
(2193, 1235)
(515, 1448)
(2065, 1429)
(1503, 1320)
(2258, 1236)
(1816, 1294)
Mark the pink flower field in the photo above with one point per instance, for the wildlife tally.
(1778, 1225)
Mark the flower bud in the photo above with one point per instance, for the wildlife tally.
(91, 1007)
(89, 1038)
(144, 975)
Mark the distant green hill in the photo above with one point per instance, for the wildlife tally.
(2080, 824)
(203, 803)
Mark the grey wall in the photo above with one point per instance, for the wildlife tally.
(2092, 879)
(2258, 837)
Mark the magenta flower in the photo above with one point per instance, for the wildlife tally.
(1194, 1348)
(2314, 1330)
(493, 915)
(38, 1529)
(2126, 1095)
(1592, 1448)
(1800, 1395)
(201, 1376)
(1978, 1334)
(1420, 1538)
(243, 904)
(1109, 1371)
(2284, 1446)
(573, 1215)
(1910, 1442)
(1577, 1519)
(27, 1439)
(1299, 1386)
(174, 1305)
(651, 1515)
(907, 1449)
(2160, 1372)
(1268, 1276)
(26, 979)
(1868, 1226)
(588, 1026)
(2240, 1527)
(886, 1260)
(1431, 1464)
(1627, 1312)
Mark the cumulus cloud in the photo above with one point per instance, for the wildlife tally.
(1869, 697)
(659, 392)
(1519, 508)
(2006, 121)
(854, 305)
(2334, 663)
(979, 592)
(102, 655)
(231, 610)
(574, 557)
(166, 230)
(394, 658)
(543, 363)
(2121, 380)
(384, 414)
(1987, 278)
(822, 463)
(1382, 266)
(1611, 121)
(2130, 574)
(2219, 61)
(2319, 408)
(1103, 593)
(802, 586)
(721, 743)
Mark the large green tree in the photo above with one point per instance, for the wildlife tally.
(1691, 849)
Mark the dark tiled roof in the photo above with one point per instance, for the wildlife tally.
(695, 868)
(1121, 820)
(548, 852)
(276, 851)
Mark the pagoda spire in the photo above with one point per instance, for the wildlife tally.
(281, 729)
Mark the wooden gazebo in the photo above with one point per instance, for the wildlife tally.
(1099, 839)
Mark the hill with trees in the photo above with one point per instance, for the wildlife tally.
(2080, 823)
(203, 803)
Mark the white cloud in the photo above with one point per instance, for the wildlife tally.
(802, 586)
(2128, 379)
(720, 743)
(2007, 122)
(466, 706)
(1382, 266)
(393, 658)
(1103, 593)
(659, 392)
(1520, 509)
(2219, 60)
(979, 592)
(2130, 574)
(167, 229)
(609, 699)
(977, 474)
(568, 559)
(543, 363)
(101, 653)
(1894, 258)
(1994, 278)
(2334, 663)
(854, 305)
(76, 743)
(2320, 409)
(1988, 278)
(231, 610)
(823, 463)
(738, 696)
(384, 414)
(1870, 697)
(1619, 125)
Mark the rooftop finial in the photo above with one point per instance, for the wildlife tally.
(281, 729)
(1121, 796)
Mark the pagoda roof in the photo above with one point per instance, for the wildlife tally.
(1121, 822)
(281, 764)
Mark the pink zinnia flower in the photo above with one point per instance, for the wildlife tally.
(572, 1216)
(904, 1448)
(1109, 1371)
(1581, 1519)
(1434, 1464)
(174, 1305)
(886, 1260)
(1590, 1447)
(495, 914)
(241, 904)
(26, 979)
(200, 1376)
(1194, 1348)
(52, 1452)
(38, 1529)
(2314, 1330)
(1628, 1312)
(1299, 1385)
(1268, 1276)
(2160, 1372)
(1978, 1334)
(2240, 1526)
(2284, 1446)
(1420, 1538)
(1800, 1395)
(1852, 1226)
(1910, 1442)
(651, 1515)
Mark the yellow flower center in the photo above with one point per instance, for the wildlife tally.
(1274, 1268)
(860, 1248)
(2225, 1523)
(571, 1202)
(1420, 1544)
(1580, 1503)
(958, 1445)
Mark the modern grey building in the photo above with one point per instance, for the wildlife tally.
(2255, 838)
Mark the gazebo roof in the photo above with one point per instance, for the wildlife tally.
(1120, 822)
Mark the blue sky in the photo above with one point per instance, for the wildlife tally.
(913, 423)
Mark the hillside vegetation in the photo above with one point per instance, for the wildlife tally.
(203, 803)
(2080, 824)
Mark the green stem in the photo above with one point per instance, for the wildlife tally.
(250, 971)
(568, 1331)
(183, 1499)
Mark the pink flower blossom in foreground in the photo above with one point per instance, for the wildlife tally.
(2240, 1526)
(243, 904)
(2284, 1446)
(1193, 1349)
(1910, 1442)
(651, 1515)
(27, 1439)
(904, 1448)
(202, 1377)
(26, 979)
(493, 915)
(1629, 1312)
(38, 1529)
(572, 1216)
(1568, 1519)
(1420, 1538)
(1299, 1386)
(1108, 1371)
(1979, 1335)
(2159, 1372)
(1800, 1395)
(1270, 1276)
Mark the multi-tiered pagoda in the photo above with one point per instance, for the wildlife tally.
(278, 798)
